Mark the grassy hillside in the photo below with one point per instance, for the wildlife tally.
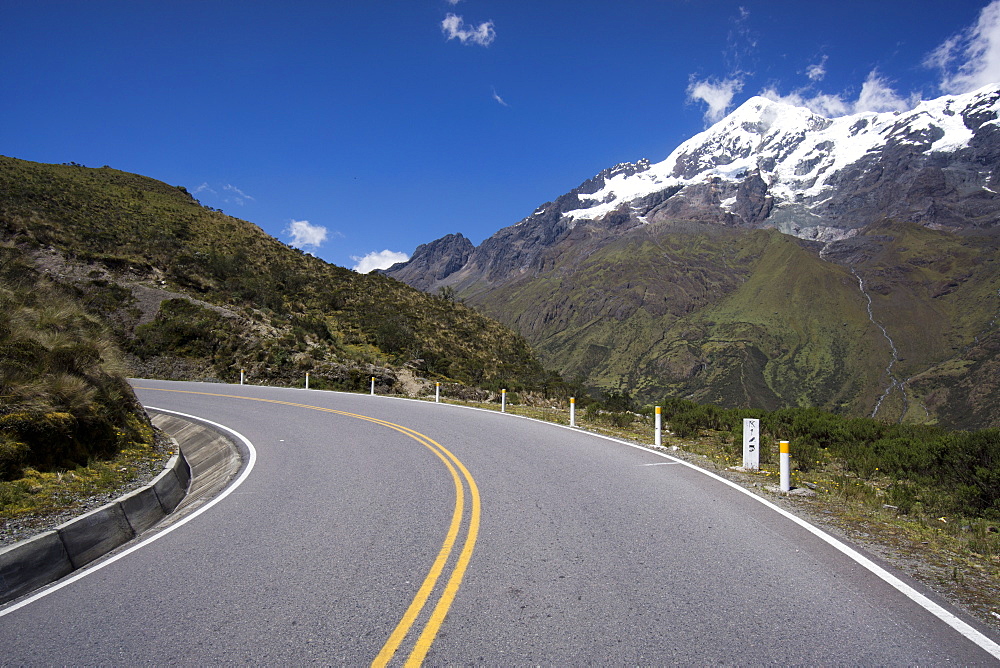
(193, 293)
(600, 308)
(756, 318)
(63, 399)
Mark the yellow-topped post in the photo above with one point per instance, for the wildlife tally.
(785, 473)
(572, 411)
(659, 427)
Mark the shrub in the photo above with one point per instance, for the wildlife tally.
(13, 456)
(931, 469)
(63, 399)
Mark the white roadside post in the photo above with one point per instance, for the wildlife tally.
(437, 393)
(751, 444)
(785, 474)
(373, 386)
(659, 427)
(307, 380)
(242, 374)
(572, 411)
(503, 401)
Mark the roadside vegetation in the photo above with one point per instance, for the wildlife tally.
(69, 422)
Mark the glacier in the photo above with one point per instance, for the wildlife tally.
(796, 152)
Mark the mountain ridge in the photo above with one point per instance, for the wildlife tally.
(692, 219)
(195, 294)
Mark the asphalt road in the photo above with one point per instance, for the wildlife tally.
(549, 545)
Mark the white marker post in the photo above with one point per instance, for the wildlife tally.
(785, 477)
(242, 374)
(373, 386)
(437, 393)
(307, 380)
(503, 401)
(751, 444)
(572, 411)
(659, 427)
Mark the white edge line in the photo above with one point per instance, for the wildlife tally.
(87, 570)
(927, 604)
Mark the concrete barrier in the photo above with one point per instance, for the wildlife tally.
(142, 509)
(95, 534)
(168, 488)
(31, 563)
(182, 468)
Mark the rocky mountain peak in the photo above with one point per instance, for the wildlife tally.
(670, 278)
(432, 262)
(759, 127)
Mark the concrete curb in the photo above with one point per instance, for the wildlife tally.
(32, 563)
(95, 534)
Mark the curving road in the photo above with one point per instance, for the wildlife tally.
(381, 530)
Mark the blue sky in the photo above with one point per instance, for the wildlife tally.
(353, 128)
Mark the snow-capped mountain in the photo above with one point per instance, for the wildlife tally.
(814, 177)
(773, 165)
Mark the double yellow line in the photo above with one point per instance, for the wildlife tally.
(462, 479)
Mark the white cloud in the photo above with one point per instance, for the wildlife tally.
(378, 260)
(817, 71)
(741, 43)
(499, 99)
(304, 234)
(876, 95)
(717, 94)
(236, 195)
(454, 28)
(971, 59)
(823, 104)
(454, 2)
(227, 194)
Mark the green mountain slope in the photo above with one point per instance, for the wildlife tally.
(938, 295)
(757, 318)
(193, 293)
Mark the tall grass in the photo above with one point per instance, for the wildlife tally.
(63, 399)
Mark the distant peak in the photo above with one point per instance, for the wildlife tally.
(760, 107)
(625, 168)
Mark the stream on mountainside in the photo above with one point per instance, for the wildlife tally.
(991, 325)
(894, 382)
